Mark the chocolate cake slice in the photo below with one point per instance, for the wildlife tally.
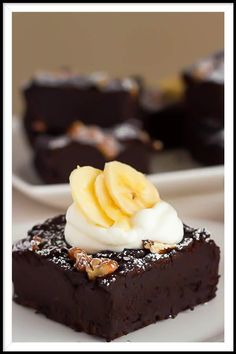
(142, 288)
(204, 82)
(204, 100)
(53, 101)
(92, 145)
(163, 113)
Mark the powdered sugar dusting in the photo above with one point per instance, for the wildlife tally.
(108, 280)
(55, 249)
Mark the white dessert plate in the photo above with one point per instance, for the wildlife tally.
(205, 323)
(188, 176)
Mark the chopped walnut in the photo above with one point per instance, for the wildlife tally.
(36, 242)
(75, 252)
(157, 247)
(81, 258)
(130, 85)
(99, 267)
(75, 129)
(86, 133)
(157, 145)
(83, 262)
(93, 135)
(100, 79)
(39, 126)
(94, 267)
(203, 70)
(109, 147)
(144, 137)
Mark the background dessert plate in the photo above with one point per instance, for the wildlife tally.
(175, 174)
(187, 326)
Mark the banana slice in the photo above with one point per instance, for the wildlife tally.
(129, 189)
(82, 182)
(108, 205)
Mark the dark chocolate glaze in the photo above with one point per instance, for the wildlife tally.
(145, 288)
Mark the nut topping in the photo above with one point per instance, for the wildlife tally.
(93, 135)
(109, 147)
(75, 129)
(75, 252)
(100, 267)
(83, 262)
(39, 126)
(36, 242)
(144, 137)
(94, 267)
(157, 247)
(131, 86)
(81, 258)
(157, 145)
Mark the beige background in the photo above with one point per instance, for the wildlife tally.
(154, 45)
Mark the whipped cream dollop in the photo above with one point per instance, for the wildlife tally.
(159, 223)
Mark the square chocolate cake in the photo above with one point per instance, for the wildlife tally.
(93, 145)
(53, 101)
(204, 101)
(163, 112)
(144, 288)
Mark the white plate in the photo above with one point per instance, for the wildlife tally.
(205, 323)
(188, 178)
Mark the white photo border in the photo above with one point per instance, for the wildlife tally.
(8, 10)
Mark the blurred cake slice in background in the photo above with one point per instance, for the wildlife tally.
(56, 156)
(90, 119)
(204, 101)
(53, 101)
(163, 112)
